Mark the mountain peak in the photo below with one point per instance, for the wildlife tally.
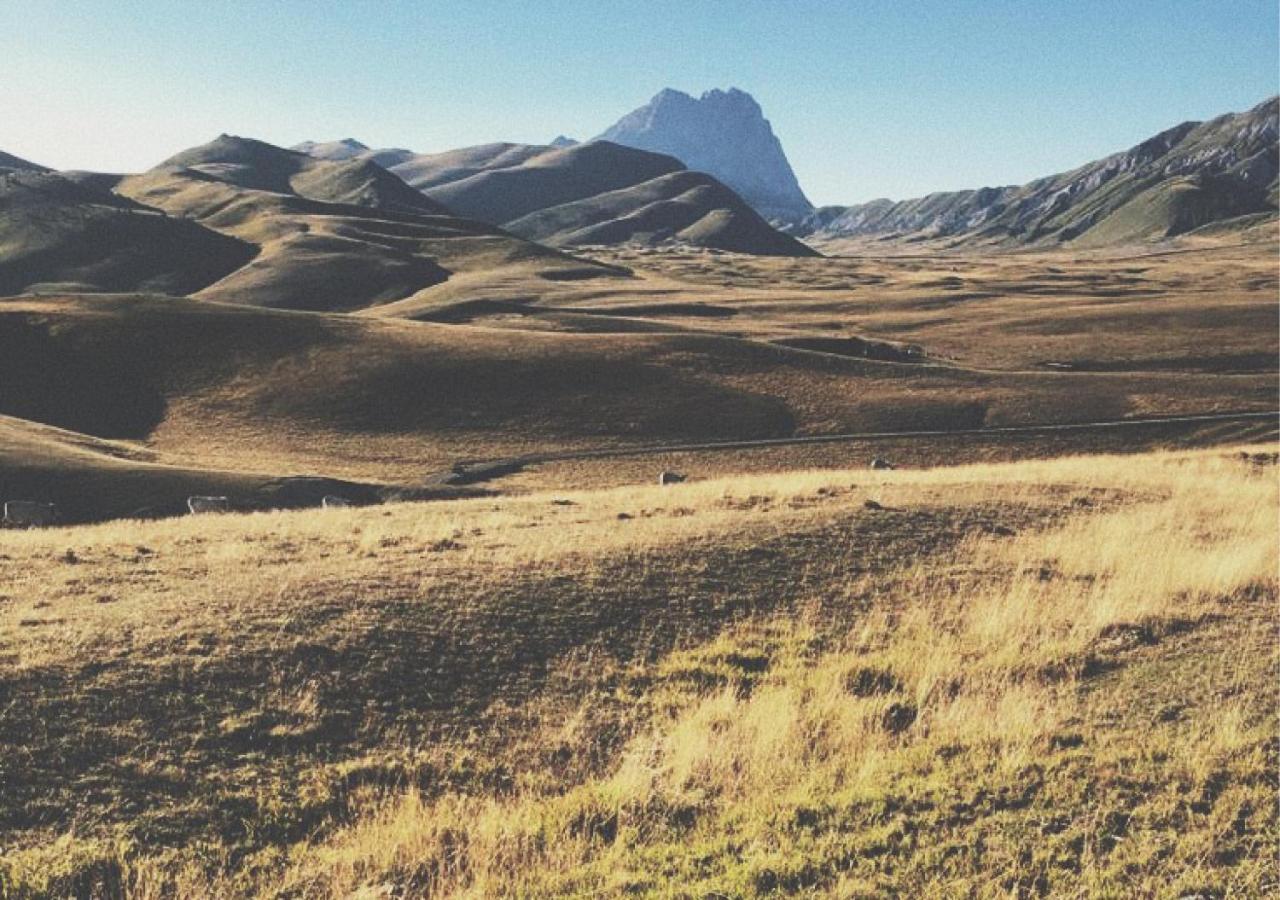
(730, 98)
(723, 133)
(345, 148)
(227, 149)
(670, 95)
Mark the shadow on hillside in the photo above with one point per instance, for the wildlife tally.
(109, 396)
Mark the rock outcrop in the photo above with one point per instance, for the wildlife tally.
(722, 133)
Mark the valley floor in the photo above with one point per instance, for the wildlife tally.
(1045, 678)
(125, 405)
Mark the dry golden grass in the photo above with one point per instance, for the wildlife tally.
(960, 666)
(687, 350)
(1044, 678)
(1129, 309)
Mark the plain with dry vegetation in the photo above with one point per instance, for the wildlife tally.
(1050, 678)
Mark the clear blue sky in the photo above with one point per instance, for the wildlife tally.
(871, 98)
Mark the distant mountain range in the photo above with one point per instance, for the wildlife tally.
(722, 137)
(722, 133)
(341, 226)
(1221, 173)
(1192, 175)
(575, 194)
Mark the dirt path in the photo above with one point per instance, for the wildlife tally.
(488, 470)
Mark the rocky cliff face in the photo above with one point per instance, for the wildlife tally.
(1193, 174)
(725, 134)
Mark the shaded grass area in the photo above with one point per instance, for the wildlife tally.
(92, 480)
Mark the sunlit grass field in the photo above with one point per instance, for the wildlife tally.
(1049, 678)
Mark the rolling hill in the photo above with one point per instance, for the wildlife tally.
(674, 204)
(519, 182)
(229, 386)
(255, 165)
(60, 234)
(597, 192)
(331, 235)
(91, 479)
(236, 387)
(1190, 176)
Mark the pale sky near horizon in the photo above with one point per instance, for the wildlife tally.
(870, 99)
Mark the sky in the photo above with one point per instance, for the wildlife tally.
(870, 98)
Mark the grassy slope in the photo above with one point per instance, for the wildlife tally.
(331, 235)
(240, 388)
(1209, 309)
(54, 232)
(206, 379)
(1013, 679)
(596, 192)
(92, 479)
(906, 453)
(18, 164)
(689, 206)
(503, 192)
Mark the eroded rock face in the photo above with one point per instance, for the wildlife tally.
(722, 133)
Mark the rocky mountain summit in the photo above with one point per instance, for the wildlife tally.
(722, 133)
(347, 148)
(1189, 176)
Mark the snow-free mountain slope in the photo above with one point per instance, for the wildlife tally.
(347, 148)
(1189, 176)
(597, 192)
(57, 233)
(11, 163)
